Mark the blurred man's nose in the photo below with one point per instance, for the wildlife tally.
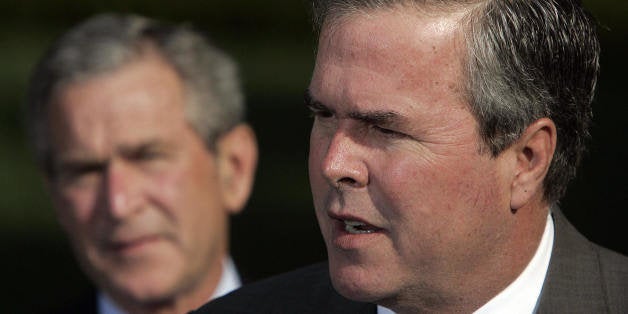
(121, 190)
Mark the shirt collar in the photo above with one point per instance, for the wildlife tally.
(229, 281)
(521, 295)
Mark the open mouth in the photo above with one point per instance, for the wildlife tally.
(357, 227)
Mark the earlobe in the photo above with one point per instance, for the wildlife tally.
(237, 161)
(534, 151)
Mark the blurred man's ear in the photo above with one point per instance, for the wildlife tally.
(534, 151)
(237, 161)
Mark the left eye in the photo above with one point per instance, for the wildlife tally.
(147, 155)
(384, 130)
(387, 132)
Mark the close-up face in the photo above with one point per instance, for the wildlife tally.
(406, 199)
(135, 188)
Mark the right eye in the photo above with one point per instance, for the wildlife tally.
(78, 175)
(317, 110)
(321, 113)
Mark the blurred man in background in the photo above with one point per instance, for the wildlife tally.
(445, 133)
(138, 128)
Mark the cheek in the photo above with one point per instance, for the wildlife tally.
(166, 188)
(402, 185)
(190, 204)
(315, 160)
(76, 214)
(441, 205)
(190, 191)
(175, 185)
(75, 206)
(436, 187)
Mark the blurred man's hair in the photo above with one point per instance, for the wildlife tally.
(104, 43)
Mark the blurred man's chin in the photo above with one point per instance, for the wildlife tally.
(147, 277)
(143, 289)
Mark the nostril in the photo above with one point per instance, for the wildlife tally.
(347, 180)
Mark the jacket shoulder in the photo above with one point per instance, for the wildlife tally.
(614, 271)
(583, 277)
(87, 303)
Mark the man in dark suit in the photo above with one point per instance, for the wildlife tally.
(445, 133)
(138, 127)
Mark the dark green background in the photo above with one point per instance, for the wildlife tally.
(274, 44)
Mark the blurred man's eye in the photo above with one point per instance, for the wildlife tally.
(79, 174)
(148, 155)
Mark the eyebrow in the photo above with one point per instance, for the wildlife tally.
(76, 160)
(375, 117)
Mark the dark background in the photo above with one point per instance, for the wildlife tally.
(273, 43)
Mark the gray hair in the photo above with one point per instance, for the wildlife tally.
(525, 60)
(103, 43)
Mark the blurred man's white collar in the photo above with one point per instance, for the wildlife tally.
(522, 295)
(229, 281)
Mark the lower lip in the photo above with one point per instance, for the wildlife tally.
(351, 241)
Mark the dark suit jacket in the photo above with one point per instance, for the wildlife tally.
(86, 304)
(582, 278)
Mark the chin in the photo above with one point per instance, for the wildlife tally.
(140, 286)
(357, 282)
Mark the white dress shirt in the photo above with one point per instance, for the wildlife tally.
(521, 296)
(229, 281)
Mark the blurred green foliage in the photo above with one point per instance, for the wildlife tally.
(274, 44)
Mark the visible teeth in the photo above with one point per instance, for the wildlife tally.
(356, 227)
(354, 223)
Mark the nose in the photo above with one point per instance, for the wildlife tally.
(343, 163)
(121, 191)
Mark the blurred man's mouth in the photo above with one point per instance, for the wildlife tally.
(129, 246)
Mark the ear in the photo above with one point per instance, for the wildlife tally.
(534, 151)
(237, 161)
